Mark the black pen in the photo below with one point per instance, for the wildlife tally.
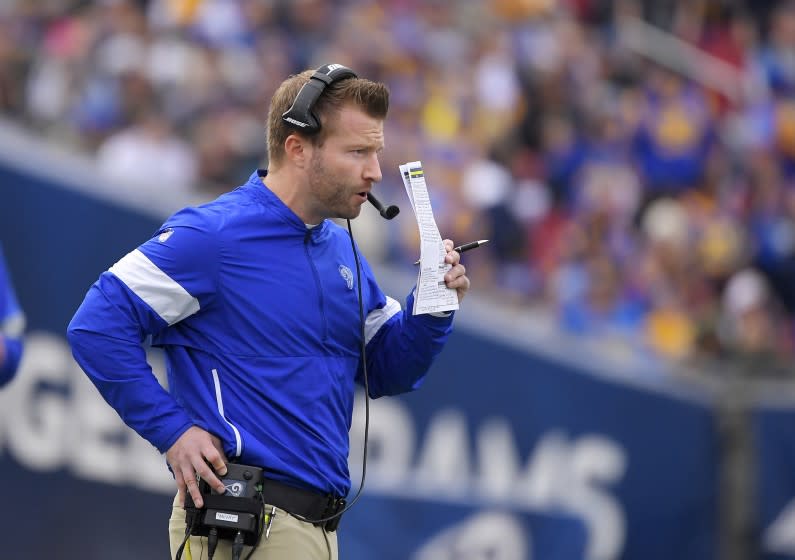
(467, 246)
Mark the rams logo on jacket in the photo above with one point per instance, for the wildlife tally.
(347, 275)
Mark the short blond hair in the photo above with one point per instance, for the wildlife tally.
(371, 97)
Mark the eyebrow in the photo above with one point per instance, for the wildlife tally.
(366, 146)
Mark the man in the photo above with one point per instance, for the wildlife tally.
(12, 325)
(255, 299)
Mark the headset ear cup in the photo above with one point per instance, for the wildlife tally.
(300, 114)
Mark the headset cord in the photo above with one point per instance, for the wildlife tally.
(211, 545)
(366, 391)
(261, 526)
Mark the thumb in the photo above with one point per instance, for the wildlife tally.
(219, 466)
(217, 457)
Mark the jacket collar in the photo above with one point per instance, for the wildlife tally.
(261, 191)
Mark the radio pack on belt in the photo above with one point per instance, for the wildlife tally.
(238, 509)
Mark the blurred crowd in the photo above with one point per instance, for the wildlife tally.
(631, 201)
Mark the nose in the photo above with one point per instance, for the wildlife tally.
(372, 169)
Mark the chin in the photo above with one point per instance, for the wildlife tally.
(350, 213)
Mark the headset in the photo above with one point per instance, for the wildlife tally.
(300, 114)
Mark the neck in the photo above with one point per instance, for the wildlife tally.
(286, 183)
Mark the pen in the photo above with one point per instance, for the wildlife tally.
(269, 521)
(467, 246)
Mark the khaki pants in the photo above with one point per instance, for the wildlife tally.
(290, 539)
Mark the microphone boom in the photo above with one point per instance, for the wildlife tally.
(387, 213)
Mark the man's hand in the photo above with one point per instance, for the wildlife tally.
(456, 277)
(190, 456)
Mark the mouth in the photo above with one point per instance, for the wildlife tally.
(362, 195)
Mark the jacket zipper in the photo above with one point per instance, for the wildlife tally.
(319, 287)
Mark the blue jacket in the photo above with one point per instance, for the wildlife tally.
(259, 319)
(12, 325)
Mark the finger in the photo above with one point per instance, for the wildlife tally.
(192, 485)
(219, 446)
(207, 474)
(448, 245)
(452, 257)
(458, 282)
(461, 286)
(454, 273)
(216, 460)
(180, 487)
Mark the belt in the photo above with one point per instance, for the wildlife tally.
(304, 503)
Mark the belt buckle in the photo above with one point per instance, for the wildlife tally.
(335, 505)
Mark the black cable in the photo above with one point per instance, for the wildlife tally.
(188, 529)
(261, 526)
(237, 546)
(366, 393)
(182, 546)
(212, 542)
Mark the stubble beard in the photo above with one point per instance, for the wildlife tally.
(331, 194)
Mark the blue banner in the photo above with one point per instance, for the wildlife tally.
(429, 530)
(503, 453)
(496, 425)
(775, 481)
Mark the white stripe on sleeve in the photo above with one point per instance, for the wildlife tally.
(160, 292)
(376, 318)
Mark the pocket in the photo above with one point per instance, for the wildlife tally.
(176, 526)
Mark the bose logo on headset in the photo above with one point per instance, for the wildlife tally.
(300, 114)
(295, 122)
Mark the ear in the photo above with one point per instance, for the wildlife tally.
(298, 150)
